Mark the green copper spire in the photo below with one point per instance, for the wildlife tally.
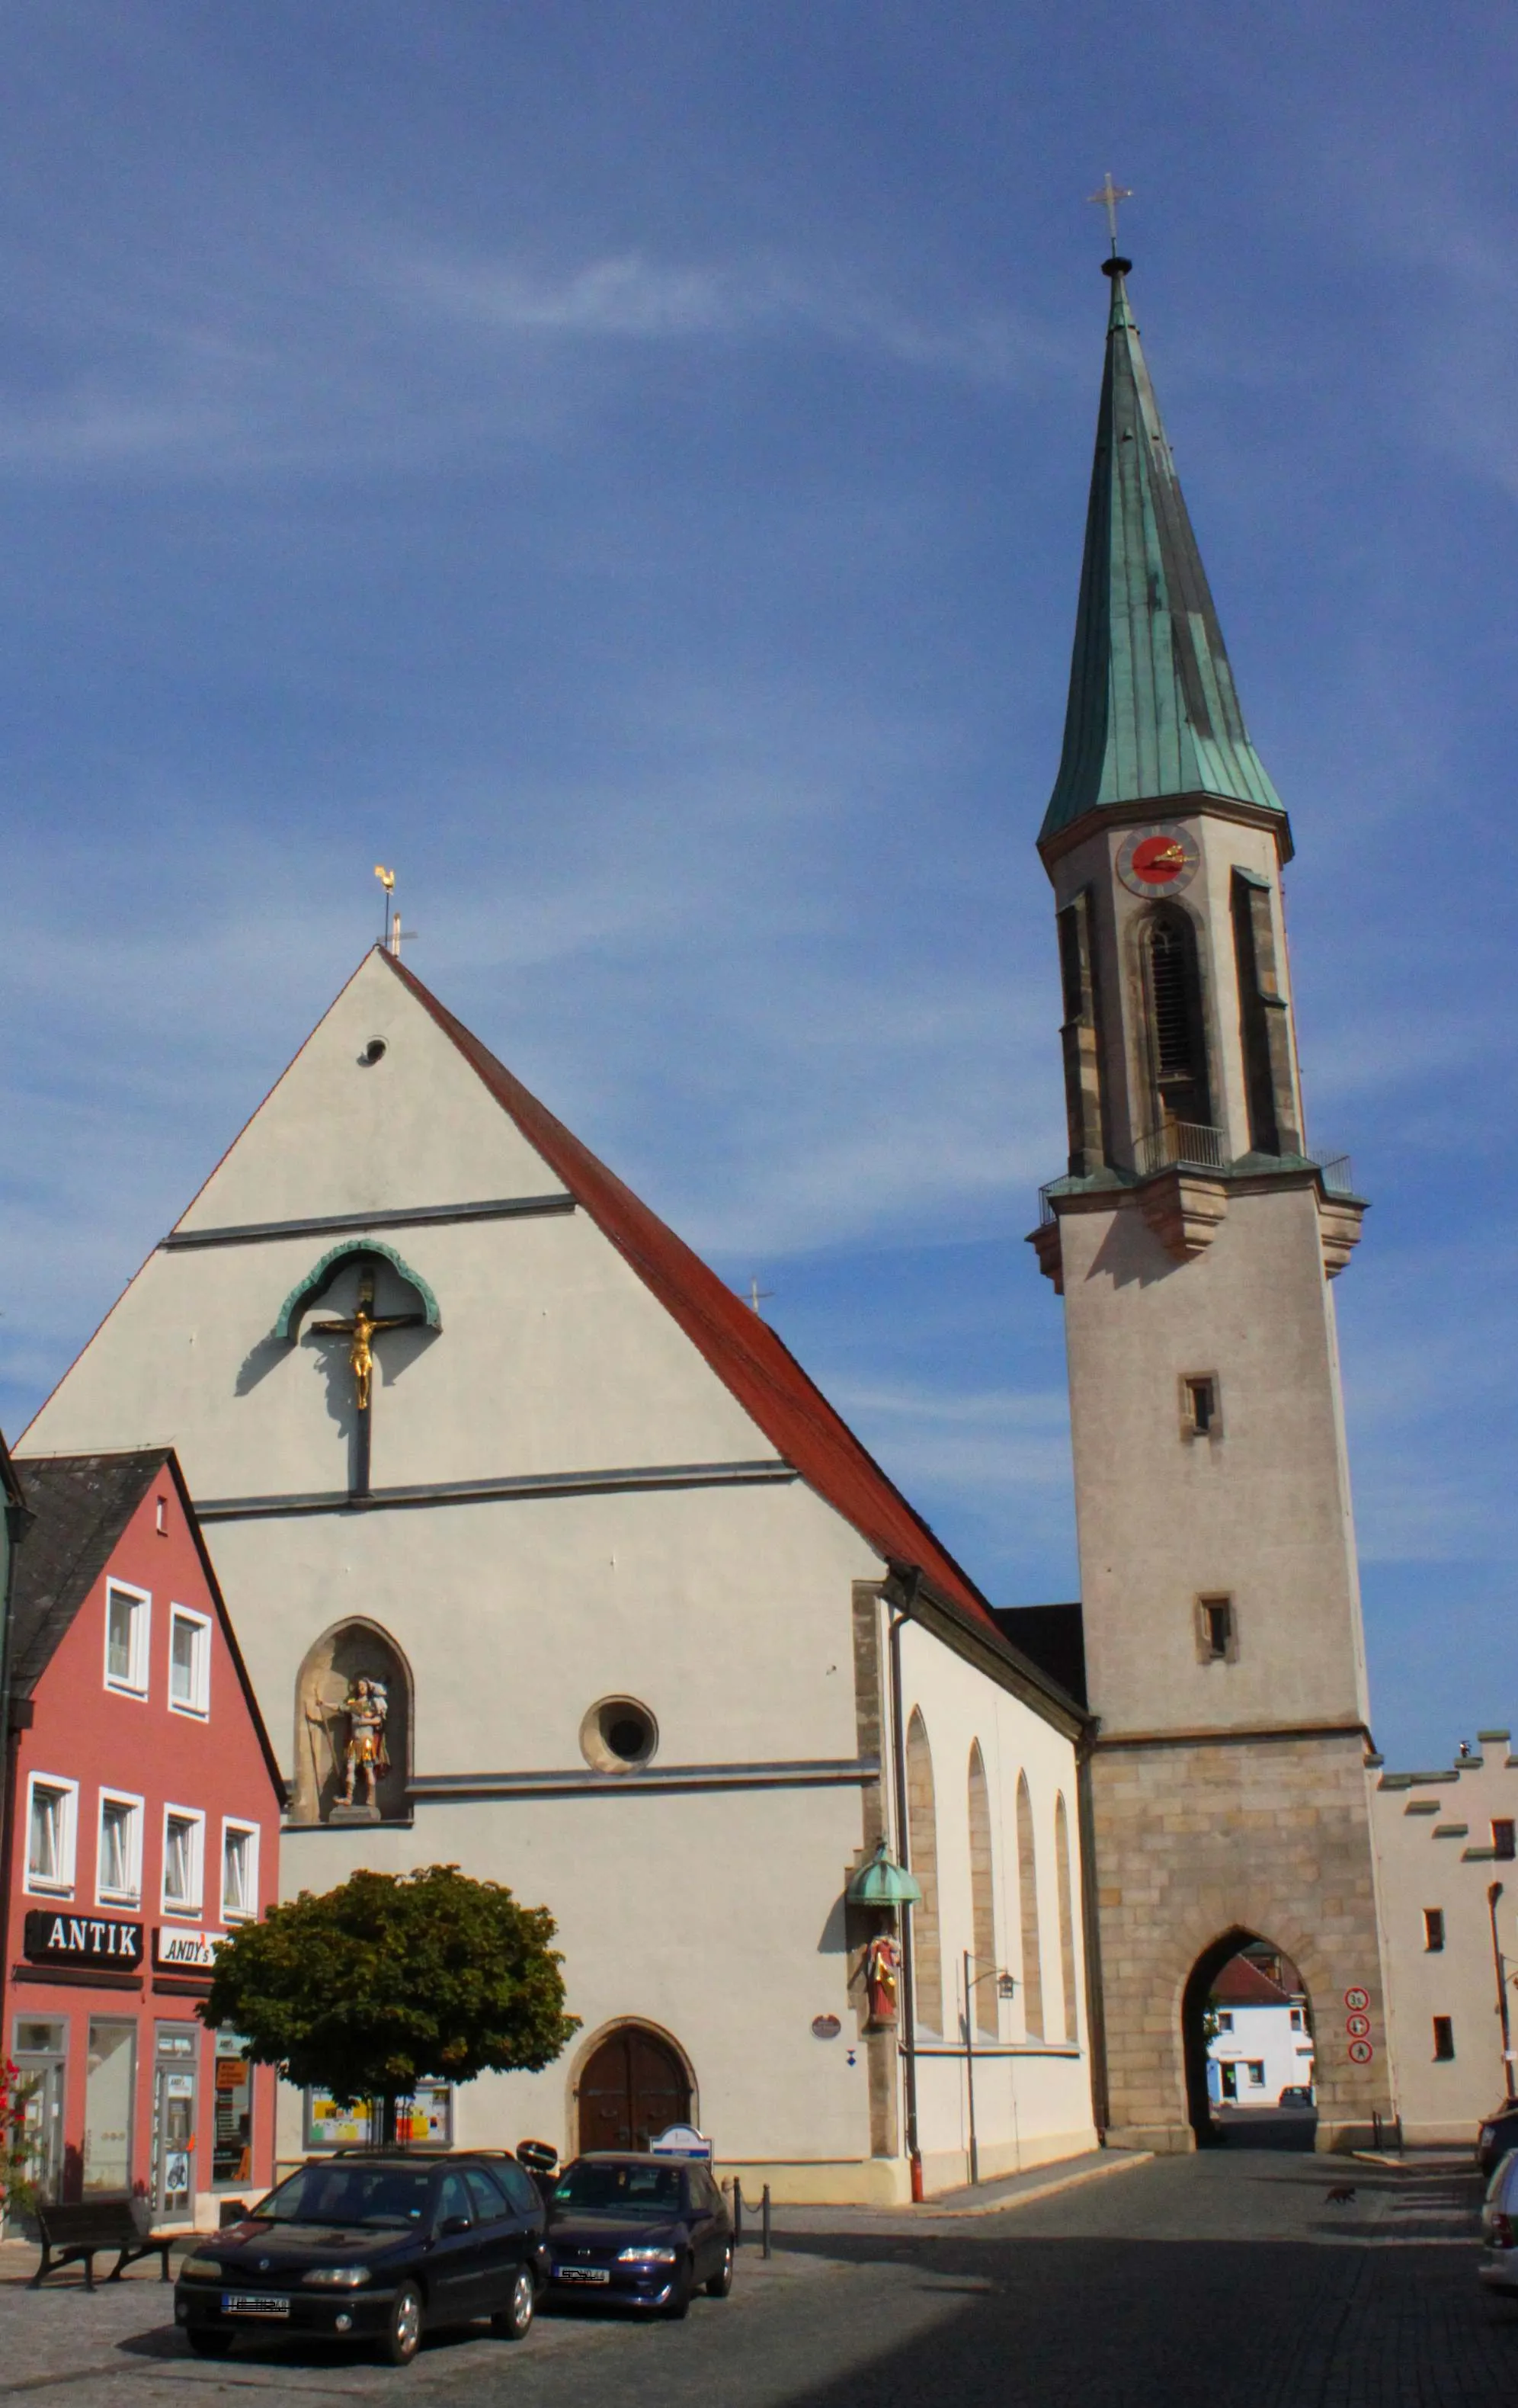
(1152, 713)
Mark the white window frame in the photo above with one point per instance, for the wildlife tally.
(230, 1913)
(199, 1706)
(133, 1895)
(136, 1685)
(193, 1815)
(63, 1885)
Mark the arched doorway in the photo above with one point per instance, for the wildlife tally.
(630, 2090)
(1246, 2027)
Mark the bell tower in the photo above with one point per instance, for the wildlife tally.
(1193, 1238)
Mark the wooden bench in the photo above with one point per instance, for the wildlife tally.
(78, 2231)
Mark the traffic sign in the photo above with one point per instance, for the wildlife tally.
(1356, 2002)
(1361, 2052)
(1357, 2026)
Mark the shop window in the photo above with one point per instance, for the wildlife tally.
(189, 1662)
(426, 2117)
(1433, 1929)
(232, 2136)
(1256, 2072)
(118, 1860)
(109, 2091)
(51, 1812)
(184, 1835)
(127, 1615)
(1443, 2039)
(239, 1871)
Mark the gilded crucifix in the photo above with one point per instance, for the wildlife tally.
(361, 1330)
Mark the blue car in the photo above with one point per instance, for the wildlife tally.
(642, 2231)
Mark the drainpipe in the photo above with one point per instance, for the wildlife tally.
(1101, 2113)
(1492, 1897)
(904, 1602)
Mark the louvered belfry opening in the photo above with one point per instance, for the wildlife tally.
(1177, 1044)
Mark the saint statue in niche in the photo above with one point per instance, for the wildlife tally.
(882, 1963)
(365, 1758)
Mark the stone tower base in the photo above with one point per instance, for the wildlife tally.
(1210, 1839)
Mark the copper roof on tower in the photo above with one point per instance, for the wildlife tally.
(1153, 713)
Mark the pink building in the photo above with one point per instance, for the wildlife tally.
(144, 1822)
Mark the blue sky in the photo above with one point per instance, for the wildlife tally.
(625, 466)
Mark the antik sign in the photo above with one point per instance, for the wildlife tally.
(55, 1938)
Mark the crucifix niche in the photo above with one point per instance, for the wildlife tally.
(360, 1329)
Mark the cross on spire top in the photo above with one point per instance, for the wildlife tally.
(1111, 198)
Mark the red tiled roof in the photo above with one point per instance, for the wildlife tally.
(740, 1347)
(1242, 1983)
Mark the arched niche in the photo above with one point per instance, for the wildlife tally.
(348, 1651)
(366, 1254)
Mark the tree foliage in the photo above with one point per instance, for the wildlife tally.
(372, 1987)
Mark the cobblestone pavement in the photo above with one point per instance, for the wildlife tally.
(1222, 2281)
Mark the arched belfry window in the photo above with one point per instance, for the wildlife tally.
(922, 1843)
(352, 1728)
(1177, 1042)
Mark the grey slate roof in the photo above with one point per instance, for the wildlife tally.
(81, 1503)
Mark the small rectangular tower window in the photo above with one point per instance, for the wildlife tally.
(1433, 1929)
(1503, 1839)
(1201, 1414)
(1217, 1638)
(1443, 2040)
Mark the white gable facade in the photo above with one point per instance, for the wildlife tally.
(563, 1515)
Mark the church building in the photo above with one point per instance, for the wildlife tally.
(549, 1561)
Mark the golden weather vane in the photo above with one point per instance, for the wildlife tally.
(1111, 198)
(392, 935)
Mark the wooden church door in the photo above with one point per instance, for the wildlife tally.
(632, 2088)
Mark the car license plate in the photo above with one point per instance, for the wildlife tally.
(583, 2275)
(253, 2304)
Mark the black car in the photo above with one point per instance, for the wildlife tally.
(371, 2246)
(1499, 2134)
(644, 2231)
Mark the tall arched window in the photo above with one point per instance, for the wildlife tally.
(326, 1692)
(1067, 1913)
(982, 1900)
(1177, 1044)
(923, 1841)
(1027, 1881)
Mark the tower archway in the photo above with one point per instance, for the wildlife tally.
(1246, 2031)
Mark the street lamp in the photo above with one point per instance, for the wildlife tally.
(1005, 1989)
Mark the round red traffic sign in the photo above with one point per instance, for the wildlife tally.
(1356, 2002)
(1357, 2026)
(1361, 2052)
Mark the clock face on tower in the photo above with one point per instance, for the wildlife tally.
(1157, 861)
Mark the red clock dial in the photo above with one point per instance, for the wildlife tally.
(1157, 861)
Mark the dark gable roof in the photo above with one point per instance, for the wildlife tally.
(740, 1347)
(81, 1504)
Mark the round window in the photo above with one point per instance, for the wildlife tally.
(617, 1735)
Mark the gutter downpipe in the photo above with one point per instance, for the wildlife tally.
(904, 1602)
(1492, 1897)
(1091, 1928)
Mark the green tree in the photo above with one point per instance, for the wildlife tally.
(372, 1987)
